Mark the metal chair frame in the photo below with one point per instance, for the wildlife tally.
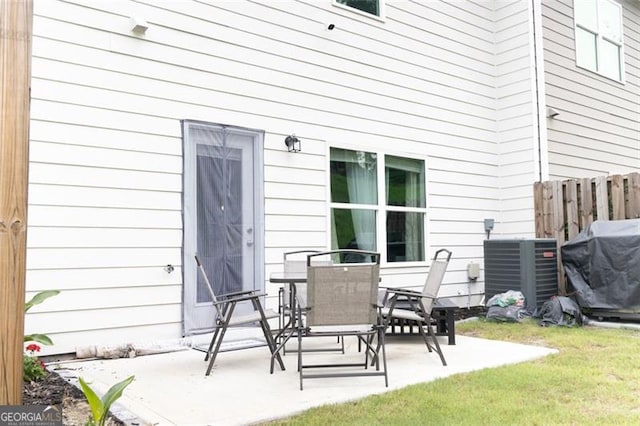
(416, 306)
(328, 312)
(225, 306)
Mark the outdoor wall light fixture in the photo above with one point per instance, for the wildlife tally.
(292, 143)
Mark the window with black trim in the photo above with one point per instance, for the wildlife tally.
(367, 6)
(598, 31)
(378, 204)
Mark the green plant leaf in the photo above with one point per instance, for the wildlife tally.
(115, 392)
(40, 338)
(95, 403)
(39, 298)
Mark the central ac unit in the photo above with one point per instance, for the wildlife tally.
(529, 266)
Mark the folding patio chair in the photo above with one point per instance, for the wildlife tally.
(342, 301)
(224, 308)
(295, 262)
(415, 306)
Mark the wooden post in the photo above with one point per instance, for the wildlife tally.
(617, 197)
(634, 195)
(602, 198)
(573, 221)
(586, 204)
(15, 74)
(538, 202)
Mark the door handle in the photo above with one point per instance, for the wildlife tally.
(249, 242)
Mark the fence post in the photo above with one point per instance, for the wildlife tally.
(586, 203)
(602, 198)
(15, 74)
(633, 185)
(617, 197)
(573, 221)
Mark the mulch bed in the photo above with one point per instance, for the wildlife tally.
(51, 390)
(55, 390)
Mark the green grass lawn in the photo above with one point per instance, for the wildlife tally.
(593, 380)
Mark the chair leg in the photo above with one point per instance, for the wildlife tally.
(381, 332)
(367, 347)
(424, 336)
(300, 357)
(217, 348)
(271, 343)
(437, 345)
(213, 340)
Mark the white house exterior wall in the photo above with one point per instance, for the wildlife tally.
(516, 117)
(105, 170)
(598, 130)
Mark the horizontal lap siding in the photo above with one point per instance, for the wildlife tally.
(106, 150)
(598, 129)
(515, 119)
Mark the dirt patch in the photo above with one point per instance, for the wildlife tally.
(55, 390)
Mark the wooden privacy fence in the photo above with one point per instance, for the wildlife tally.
(564, 208)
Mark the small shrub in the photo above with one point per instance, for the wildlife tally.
(100, 407)
(33, 367)
(36, 300)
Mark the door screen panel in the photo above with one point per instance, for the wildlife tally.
(222, 217)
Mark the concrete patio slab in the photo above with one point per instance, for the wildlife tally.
(171, 388)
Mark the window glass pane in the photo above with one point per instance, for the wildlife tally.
(353, 229)
(610, 20)
(405, 182)
(353, 177)
(586, 14)
(609, 60)
(405, 234)
(369, 6)
(586, 49)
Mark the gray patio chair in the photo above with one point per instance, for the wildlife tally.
(296, 262)
(416, 306)
(224, 309)
(293, 262)
(342, 301)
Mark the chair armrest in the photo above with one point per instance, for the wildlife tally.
(239, 298)
(235, 293)
(404, 292)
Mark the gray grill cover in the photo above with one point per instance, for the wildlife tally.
(603, 265)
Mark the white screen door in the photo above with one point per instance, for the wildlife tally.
(222, 211)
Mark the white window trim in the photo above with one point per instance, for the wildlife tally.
(599, 38)
(380, 18)
(380, 206)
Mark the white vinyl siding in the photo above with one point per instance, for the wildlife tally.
(598, 129)
(517, 129)
(106, 159)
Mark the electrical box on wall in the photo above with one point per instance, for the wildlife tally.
(473, 271)
(529, 266)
